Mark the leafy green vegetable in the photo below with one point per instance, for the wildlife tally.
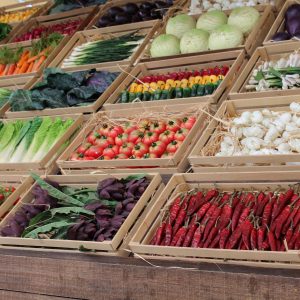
(69, 210)
(52, 191)
(5, 29)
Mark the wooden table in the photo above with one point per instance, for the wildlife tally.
(44, 275)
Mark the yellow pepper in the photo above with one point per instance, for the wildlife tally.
(213, 78)
(153, 85)
(167, 86)
(170, 81)
(139, 88)
(160, 84)
(177, 83)
(206, 79)
(198, 79)
(133, 88)
(192, 79)
(221, 77)
(146, 87)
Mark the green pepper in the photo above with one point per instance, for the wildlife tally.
(194, 90)
(165, 95)
(200, 90)
(124, 97)
(178, 92)
(147, 96)
(209, 89)
(139, 95)
(186, 92)
(157, 94)
(132, 96)
(152, 97)
(171, 93)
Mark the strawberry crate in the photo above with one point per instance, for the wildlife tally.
(138, 123)
(147, 29)
(209, 155)
(165, 68)
(117, 245)
(180, 184)
(245, 87)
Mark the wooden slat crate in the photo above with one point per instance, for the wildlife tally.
(20, 183)
(234, 59)
(47, 163)
(27, 45)
(203, 163)
(278, 25)
(104, 9)
(17, 83)
(92, 108)
(261, 54)
(148, 28)
(168, 165)
(119, 242)
(84, 15)
(42, 5)
(252, 41)
(140, 243)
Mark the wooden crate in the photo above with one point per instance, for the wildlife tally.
(43, 6)
(109, 4)
(235, 59)
(21, 183)
(161, 165)
(253, 40)
(182, 183)
(84, 14)
(47, 163)
(246, 162)
(260, 55)
(278, 25)
(13, 85)
(27, 45)
(148, 28)
(92, 108)
(122, 236)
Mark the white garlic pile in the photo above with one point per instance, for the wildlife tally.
(263, 132)
(198, 6)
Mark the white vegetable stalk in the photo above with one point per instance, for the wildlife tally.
(263, 132)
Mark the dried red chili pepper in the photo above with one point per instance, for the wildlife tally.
(226, 213)
(236, 215)
(247, 228)
(190, 234)
(168, 233)
(272, 241)
(215, 242)
(182, 214)
(212, 220)
(282, 202)
(211, 236)
(224, 235)
(291, 217)
(179, 236)
(265, 245)
(200, 200)
(266, 219)
(296, 235)
(253, 238)
(174, 209)
(234, 238)
(281, 219)
(192, 203)
(262, 204)
(197, 236)
(289, 234)
(296, 219)
(159, 234)
(278, 245)
(202, 211)
(260, 237)
(245, 213)
(211, 194)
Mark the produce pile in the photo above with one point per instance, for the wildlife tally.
(260, 132)
(136, 139)
(243, 220)
(100, 51)
(5, 192)
(30, 140)
(134, 12)
(182, 84)
(20, 61)
(68, 213)
(282, 74)
(198, 6)
(67, 5)
(19, 16)
(5, 29)
(213, 30)
(66, 28)
(60, 89)
(291, 25)
(4, 96)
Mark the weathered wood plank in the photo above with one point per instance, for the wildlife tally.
(82, 276)
(11, 295)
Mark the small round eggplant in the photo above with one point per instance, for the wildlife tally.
(147, 6)
(104, 21)
(122, 18)
(114, 10)
(281, 36)
(130, 8)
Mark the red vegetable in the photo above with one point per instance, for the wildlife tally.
(174, 210)
(260, 237)
(234, 238)
(159, 233)
(253, 238)
(168, 233)
(272, 241)
(182, 213)
(247, 228)
(224, 235)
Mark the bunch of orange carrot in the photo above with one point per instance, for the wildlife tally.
(21, 61)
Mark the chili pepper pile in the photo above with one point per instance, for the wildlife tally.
(183, 84)
(239, 220)
(67, 28)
